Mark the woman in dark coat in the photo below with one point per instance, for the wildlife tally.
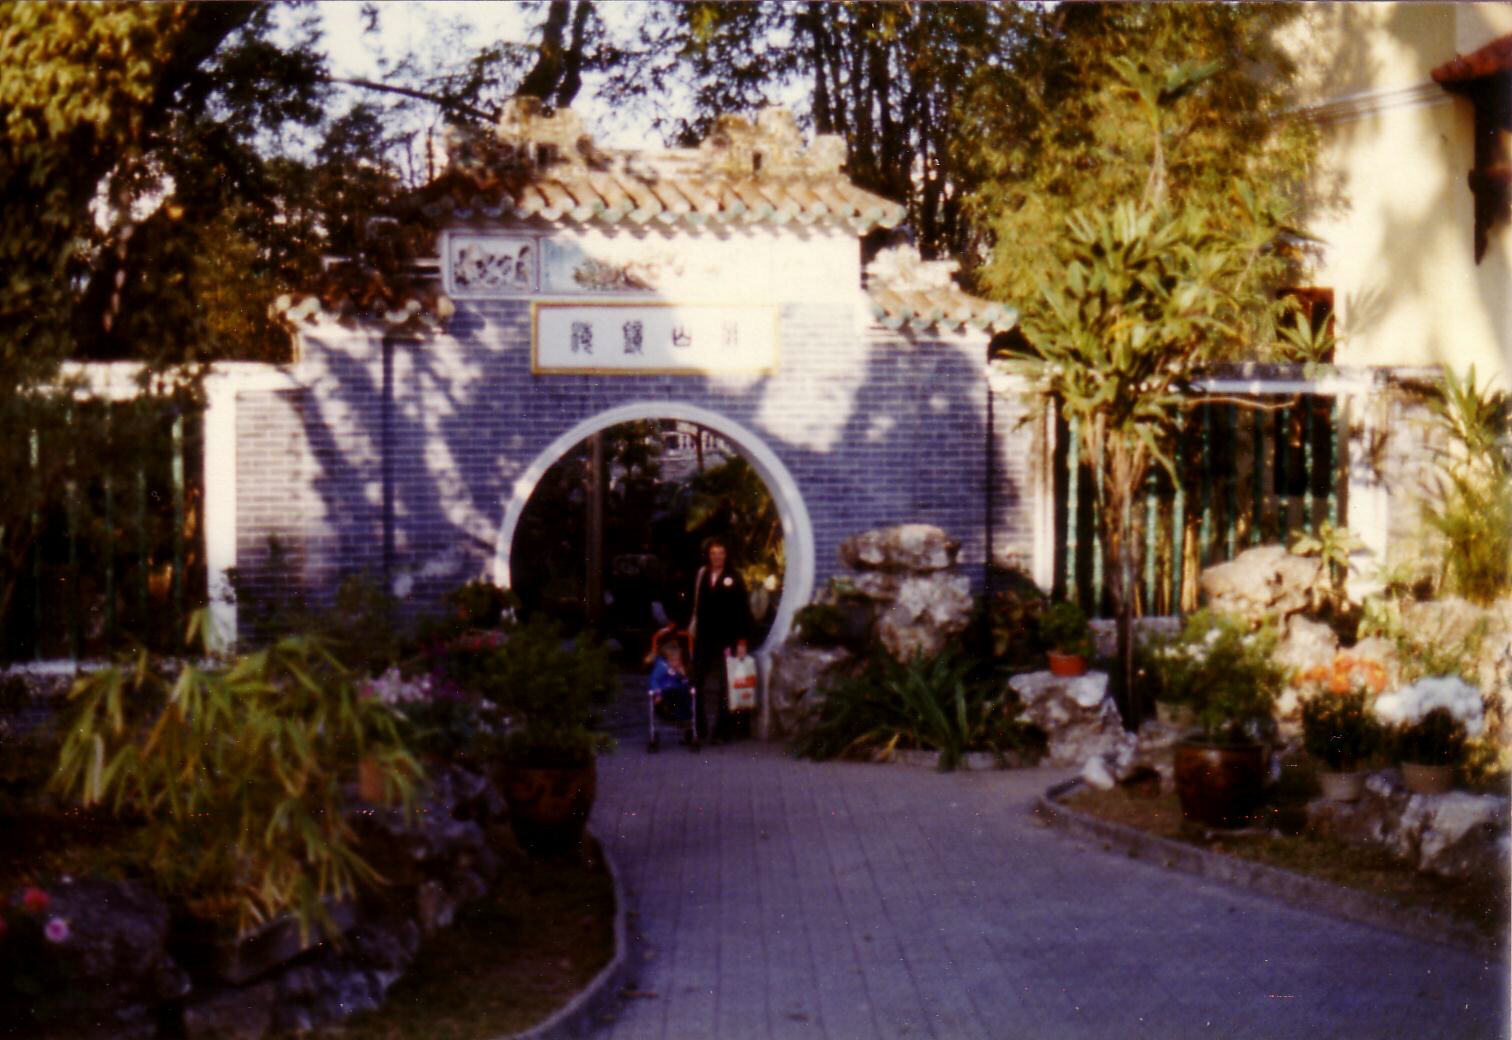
(721, 626)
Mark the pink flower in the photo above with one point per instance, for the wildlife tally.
(56, 930)
(34, 900)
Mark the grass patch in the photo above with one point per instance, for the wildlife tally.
(508, 961)
(1484, 903)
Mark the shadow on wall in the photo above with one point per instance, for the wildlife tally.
(417, 445)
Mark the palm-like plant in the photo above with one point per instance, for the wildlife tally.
(1145, 293)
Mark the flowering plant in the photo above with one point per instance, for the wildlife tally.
(1345, 674)
(1222, 672)
(1340, 729)
(1411, 704)
(33, 958)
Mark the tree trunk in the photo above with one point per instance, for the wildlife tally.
(1125, 472)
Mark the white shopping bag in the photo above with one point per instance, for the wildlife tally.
(740, 682)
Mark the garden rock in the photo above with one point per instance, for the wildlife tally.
(117, 942)
(795, 673)
(913, 548)
(1459, 834)
(233, 1014)
(1077, 716)
(1454, 622)
(929, 612)
(1266, 582)
(1307, 644)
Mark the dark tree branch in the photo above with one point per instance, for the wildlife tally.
(441, 101)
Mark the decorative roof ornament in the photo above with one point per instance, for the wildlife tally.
(901, 267)
(773, 147)
(910, 292)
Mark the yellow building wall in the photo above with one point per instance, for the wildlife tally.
(1394, 211)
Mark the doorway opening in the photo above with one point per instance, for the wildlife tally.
(607, 527)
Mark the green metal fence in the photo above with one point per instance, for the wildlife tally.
(1252, 473)
(101, 526)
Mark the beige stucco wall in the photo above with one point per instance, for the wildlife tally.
(1395, 214)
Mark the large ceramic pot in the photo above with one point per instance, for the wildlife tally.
(1421, 779)
(548, 808)
(1219, 785)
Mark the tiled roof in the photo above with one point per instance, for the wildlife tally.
(916, 295)
(1495, 57)
(545, 168)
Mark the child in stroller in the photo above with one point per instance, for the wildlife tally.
(670, 690)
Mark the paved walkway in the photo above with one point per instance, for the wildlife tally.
(785, 898)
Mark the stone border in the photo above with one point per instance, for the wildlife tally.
(581, 1016)
(1299, 890)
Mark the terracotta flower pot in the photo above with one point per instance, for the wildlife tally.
(1421, 779)
(1342, 787)
(548, 808)
(370, 781)
(1066, 665)
(1219, 786)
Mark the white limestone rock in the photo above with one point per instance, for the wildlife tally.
(1267, 581)
(912, 548)
(928, 612)
(1077, 715)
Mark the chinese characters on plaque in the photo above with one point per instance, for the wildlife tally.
(572, 337)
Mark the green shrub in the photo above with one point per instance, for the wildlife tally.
(945, 703)
(236, 775)
(1437, 739)
(1064, 629)
(1474, 509)
(1340, 729)
(1222, 672)
(552, 690)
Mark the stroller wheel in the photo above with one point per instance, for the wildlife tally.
(694, 745)
(654, 744)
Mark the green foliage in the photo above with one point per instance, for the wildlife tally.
(552, 690)
(1221, 671)
(1340, 729)
(1474, 513)
(1437, 739)
(946, 704)
(235, 775)
(482, 604)
(1334, 545)
(1139, 181)
(1063, 628)
(889, 78)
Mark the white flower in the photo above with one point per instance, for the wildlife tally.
(56, 930)
(1411, 703)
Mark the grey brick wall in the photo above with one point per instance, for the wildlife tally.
(876, 428)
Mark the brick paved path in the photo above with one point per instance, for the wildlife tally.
(784, 898)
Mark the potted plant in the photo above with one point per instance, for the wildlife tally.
(1429, 750)
(1225, 677)
(1340, 731)
(1068, 637)
(550, 689)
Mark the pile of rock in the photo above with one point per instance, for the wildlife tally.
(913, 600)
(1078, 717)
(131, 970)
(1459, 834)
(1266, 582)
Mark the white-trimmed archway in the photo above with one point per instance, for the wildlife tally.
(797, 531)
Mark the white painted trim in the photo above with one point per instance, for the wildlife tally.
(797, 530)
(219, 479)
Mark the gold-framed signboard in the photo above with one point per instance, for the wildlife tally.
(577, 338)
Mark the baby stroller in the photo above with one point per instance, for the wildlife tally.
(671, 698)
